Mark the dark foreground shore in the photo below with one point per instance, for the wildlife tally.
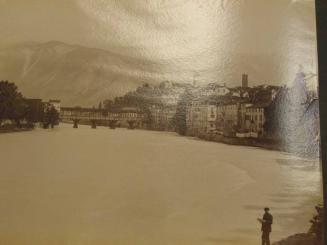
(314, 236)
(14, 130)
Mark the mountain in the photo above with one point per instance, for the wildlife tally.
(74, 74)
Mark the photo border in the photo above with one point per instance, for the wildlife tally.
(321, 23)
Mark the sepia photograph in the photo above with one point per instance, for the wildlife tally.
(159, 122)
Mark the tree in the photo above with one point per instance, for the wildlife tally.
(108, 104)
(34, 111)
(53, 116)
(12, 105)
(181, 110)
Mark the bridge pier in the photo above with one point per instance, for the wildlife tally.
(131, 124)
(112, 124)
(45, 125)
(93, 124)
(75, 123)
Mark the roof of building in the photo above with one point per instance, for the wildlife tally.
(216, 85)
(260, 104)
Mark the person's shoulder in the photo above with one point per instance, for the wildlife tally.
(268, 215)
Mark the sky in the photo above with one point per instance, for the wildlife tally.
(206, 41)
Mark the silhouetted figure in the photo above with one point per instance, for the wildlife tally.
(266, 223)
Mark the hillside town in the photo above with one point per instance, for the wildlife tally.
(263, 115)
(267, 116)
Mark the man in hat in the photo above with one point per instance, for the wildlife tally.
(266, 223)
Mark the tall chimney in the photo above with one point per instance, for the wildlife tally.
(245, 82)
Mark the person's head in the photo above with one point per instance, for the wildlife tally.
(266, 210)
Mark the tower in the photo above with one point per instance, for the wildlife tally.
(245, 82)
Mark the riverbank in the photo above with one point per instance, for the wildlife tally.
(255, 142)
(306, 151)
(311, 151)
(14, 129)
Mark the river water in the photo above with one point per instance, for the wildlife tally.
(100, 186)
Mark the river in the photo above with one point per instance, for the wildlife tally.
(99, 186)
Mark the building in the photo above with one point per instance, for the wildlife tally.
(264, 93)
(231, 117)
(201, 117)
(170, 98)
(162, 117)
(255, 119)
(155, 117)
(169, 113)
(213, 89)
(55, 104)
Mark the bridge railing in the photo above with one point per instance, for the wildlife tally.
(100, 116)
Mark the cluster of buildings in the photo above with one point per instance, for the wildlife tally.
(239, 118)
(37, 108)
(237, 112)
(264, 111)
(162, 117)
(216, 109)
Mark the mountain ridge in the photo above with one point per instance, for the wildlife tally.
(84, 76)
(75, 74)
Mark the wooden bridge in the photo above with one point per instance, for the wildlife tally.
(128, 117)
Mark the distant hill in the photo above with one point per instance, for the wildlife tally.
(77, 75)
